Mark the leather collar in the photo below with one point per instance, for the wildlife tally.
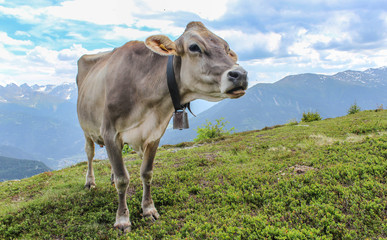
(174, 89)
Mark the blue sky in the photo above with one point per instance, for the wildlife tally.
(41, 40)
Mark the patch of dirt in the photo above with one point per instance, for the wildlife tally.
(131, 190)
(322, 140)
(130, 158)
(173, 150)
(296, 170)
(301, 169)
(17, 198)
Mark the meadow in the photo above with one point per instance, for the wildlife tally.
(316, 180)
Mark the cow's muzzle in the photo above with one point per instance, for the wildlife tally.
(236, 82)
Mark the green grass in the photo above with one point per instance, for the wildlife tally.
(318, 180)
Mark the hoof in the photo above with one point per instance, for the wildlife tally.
(90, 185)
(151, 214)
(123, 222)
(125, 227)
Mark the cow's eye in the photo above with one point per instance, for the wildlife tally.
(195, 48)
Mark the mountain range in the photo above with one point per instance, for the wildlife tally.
(40, 122)
(287, 99)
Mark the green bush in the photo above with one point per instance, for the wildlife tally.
(310, 117)
(379, 108)
(209, 130)
(126, 150)
(354, 109)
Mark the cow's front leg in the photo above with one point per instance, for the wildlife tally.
(148, 207)
(121, 180)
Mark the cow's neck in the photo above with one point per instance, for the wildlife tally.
(185, 94)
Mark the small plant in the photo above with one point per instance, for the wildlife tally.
(292, 122)
(380, 108)
(354, 109)
(310, 117)
(126, 150)
(209, 130)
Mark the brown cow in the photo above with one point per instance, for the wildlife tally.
(123, 98)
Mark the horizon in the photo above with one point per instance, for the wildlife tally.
(40, 42)
(67, 83)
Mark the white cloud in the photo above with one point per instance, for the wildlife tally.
(338, 26)
(285, 39)
(383, 17)
(164, 26)
(42, 55)
(6, 40)
(41, 65)
(210, 10)
(25, 13)
(72, 54)
(128, 33)
(77, 36)
(244, 42)
(5, 54)
(99, 12)
(22, 33)
(127, 12)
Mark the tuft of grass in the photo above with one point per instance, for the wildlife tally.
(324, 181)
(292, 122)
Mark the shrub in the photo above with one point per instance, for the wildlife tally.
(310, 117)
(379, 108)
(354, 109)
(126, 150)
(209, 130)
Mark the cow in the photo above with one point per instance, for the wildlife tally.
(123, 98)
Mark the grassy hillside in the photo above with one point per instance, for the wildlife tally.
(320, 180)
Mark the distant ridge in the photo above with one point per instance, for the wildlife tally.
(12, 168)
(44, 118)
(270, 104)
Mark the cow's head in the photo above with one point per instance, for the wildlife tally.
(208, 65)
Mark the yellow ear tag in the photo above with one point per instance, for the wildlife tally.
(163, 47)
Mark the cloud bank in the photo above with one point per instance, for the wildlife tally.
(41, 42)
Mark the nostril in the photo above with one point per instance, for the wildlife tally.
(233, 75)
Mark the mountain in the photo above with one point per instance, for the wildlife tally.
(11, 168)
(39, 122)
(36, 94)
(271, 104)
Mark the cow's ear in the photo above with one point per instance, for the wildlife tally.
(161, 44)
(233, 55)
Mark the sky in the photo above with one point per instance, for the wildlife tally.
(41, 40)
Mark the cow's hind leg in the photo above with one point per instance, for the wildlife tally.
(89, 148)
(121, 179)
(148, 207)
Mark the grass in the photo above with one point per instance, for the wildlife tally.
(323, 180)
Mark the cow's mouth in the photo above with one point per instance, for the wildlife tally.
(236, 92)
